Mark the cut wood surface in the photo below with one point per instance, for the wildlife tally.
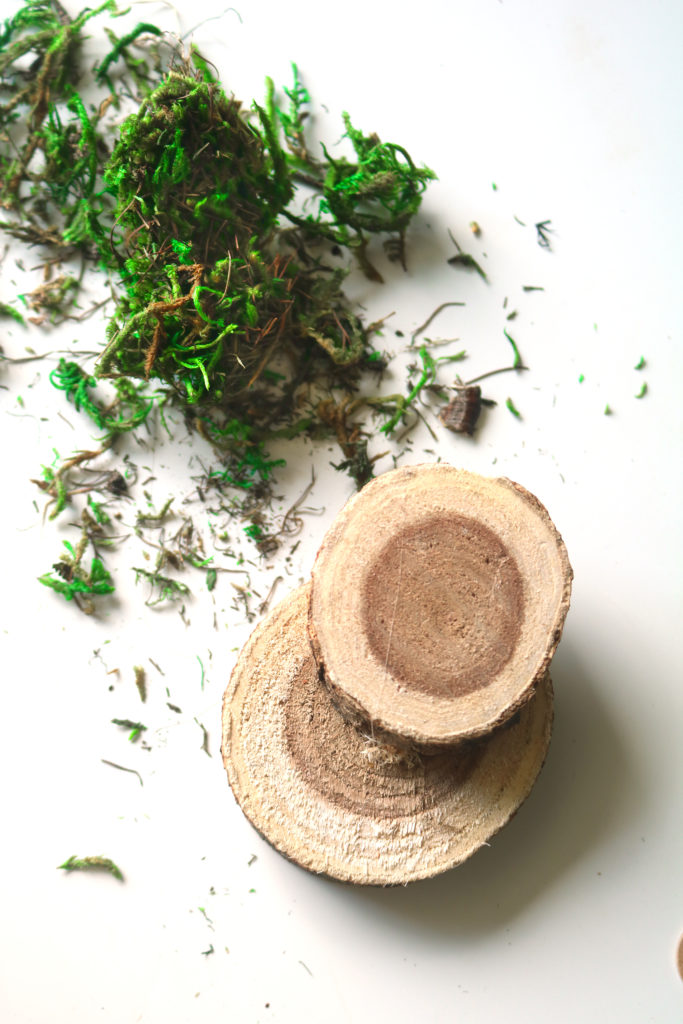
(338, 803)
(438, 600)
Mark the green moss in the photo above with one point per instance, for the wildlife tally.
(224, 295)
(72, 580)
(92, 864)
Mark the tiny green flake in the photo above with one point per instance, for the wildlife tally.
(91, 864)
(581, 378)
(640, 364)
(13, 314)
(518, 359)
(643, 391)
(608, 410)
(211, 578)
(202, 911)
(99, 515)
(135, 727)
(253, 531)
(513, 409)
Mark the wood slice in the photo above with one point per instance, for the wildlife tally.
(438, 600)
(336, 802)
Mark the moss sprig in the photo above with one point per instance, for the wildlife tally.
(97, 863)
(70, 578)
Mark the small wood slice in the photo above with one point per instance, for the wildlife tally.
(438, 600)
(336, 802)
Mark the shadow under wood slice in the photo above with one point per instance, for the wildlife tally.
(438, 600)
(338, 803)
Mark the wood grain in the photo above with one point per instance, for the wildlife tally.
(337, 802)
(438, 600)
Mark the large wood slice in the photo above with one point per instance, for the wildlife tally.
(438, 600)
(334, 801)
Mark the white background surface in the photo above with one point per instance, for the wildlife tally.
(574, 912)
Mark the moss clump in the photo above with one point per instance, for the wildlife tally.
(224, 292)
(188, 166)
(378, 193)
(211, 298)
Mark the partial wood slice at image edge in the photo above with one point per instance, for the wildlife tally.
(336, 802)
(439, 598)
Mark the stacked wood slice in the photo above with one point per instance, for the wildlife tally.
(387, 718)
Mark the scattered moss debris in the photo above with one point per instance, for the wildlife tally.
(121, 768)
(11, 313)
(517, 363)
(513, 409)
(71, 579)
(432, 316)
(464, 259)
(643, 390)
(202, 911)
(225, 296)
(163, 589)
(205, 738)
(136, 728)
(640, 365)
(219, 229)
(399, 405)
(141, 682)
(543, 229)
(92, 864)
(154, 518)
(124, 414)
